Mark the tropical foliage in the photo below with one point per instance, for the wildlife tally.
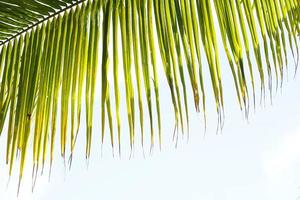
(49, 52)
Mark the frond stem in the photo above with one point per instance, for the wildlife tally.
(42, 20)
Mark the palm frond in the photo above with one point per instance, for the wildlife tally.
(50, 49)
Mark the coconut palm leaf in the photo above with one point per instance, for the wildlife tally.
(49, 51)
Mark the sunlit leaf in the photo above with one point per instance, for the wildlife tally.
(50, 50)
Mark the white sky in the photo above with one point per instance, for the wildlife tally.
(255, 160)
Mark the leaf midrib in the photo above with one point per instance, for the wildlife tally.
(41, 21)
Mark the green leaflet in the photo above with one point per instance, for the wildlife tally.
(15, 79)
(174, 60)
(115, 19)
(137, 67)
(49, 54)
(179, 58)
(126, 69)
(154, 66)
(159, 7)
(92, 66)
(105, 99)
(6, 79)
(56, 85)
